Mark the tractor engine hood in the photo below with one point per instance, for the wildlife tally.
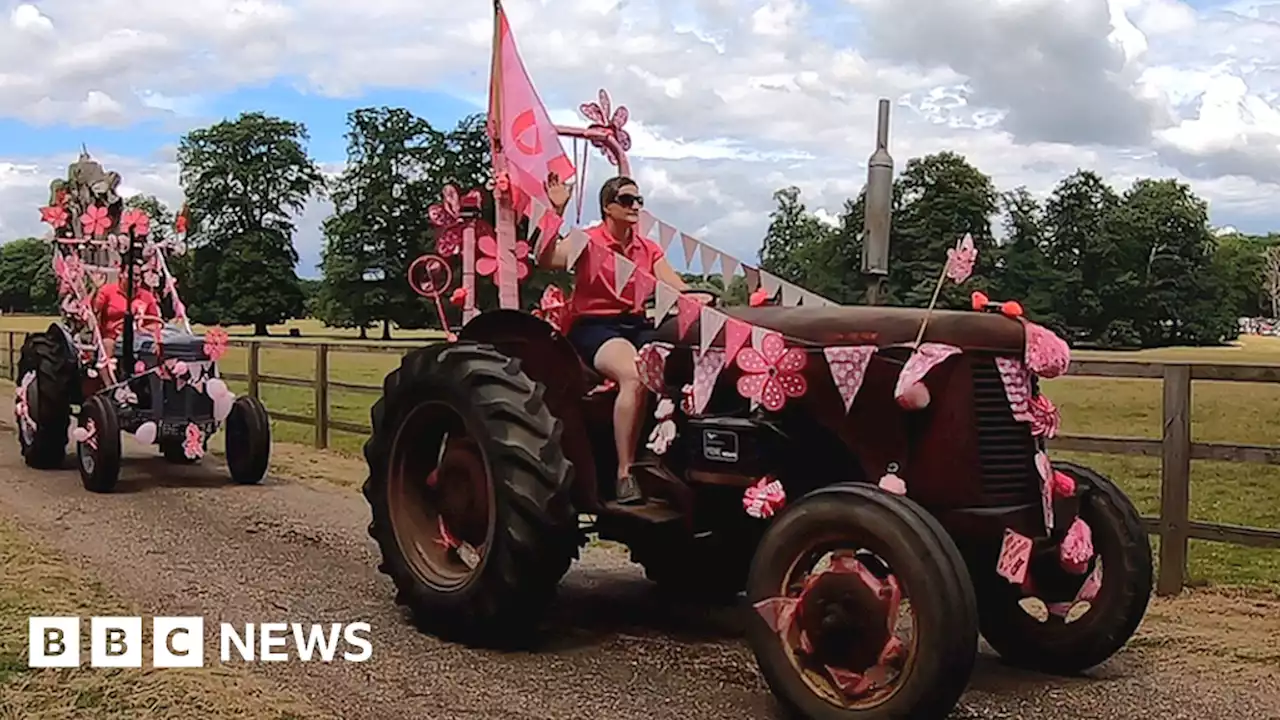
(880, 326)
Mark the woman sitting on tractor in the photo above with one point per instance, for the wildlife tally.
(603, 324)
(109, 304)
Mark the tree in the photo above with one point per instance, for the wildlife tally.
(27, 284)
(1024, 272)
(797, 244)
(1239, 263)
(245, 180)
(1271, 278)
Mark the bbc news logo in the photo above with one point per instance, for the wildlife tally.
(179, 642)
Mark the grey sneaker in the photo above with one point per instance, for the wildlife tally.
(628, 491)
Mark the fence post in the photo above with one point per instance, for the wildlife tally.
(322, 396)
(253, 369)
(1175, 480)
(13, 369)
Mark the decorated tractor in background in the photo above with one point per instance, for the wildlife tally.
(157, 380)
(875, 479)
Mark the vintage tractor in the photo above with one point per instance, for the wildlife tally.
(158, 381)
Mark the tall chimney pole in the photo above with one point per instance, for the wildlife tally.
(875, 231)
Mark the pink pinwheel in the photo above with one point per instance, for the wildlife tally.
(95, 220)
(54, 215)
(960, 260)
(598, 114)
(488, 264)
(136, 219)
(773, 373)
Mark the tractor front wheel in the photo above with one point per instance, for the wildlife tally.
(248, 440)
(863, 608)
(99, 452)
(469, 492)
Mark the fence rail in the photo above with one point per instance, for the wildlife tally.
(1175, 448)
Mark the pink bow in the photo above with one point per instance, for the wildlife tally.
(765, 498)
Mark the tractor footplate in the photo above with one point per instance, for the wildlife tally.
(652, 511)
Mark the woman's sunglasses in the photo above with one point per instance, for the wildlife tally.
(627, 200)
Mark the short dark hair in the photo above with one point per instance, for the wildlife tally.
(609, 190)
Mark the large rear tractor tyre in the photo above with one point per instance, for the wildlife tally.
(1060, 643)
(248, 440)
(469, 492)
(864, 608)
(99, 454)
(47, 368)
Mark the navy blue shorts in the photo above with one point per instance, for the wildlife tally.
(589, 333)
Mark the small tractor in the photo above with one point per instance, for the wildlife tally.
(158, 380)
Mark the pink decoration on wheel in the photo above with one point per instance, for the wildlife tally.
(1017, 387)
(1015, 557)
(765, 498)
(891, 483)
(598, 114)
(848, 366)
(924, 359)
(772, 372)
(651, 363)
(705, 371)
(1077, 548)
(1045, 419)
(1047, 354)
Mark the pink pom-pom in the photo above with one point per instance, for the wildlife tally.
(1077, 548)
(893, 484)
(915, 397)
(1064, 486)
(80, 434)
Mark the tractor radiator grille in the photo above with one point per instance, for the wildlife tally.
(1006, 449)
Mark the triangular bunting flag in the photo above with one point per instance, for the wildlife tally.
(736, 334)
(686, 312)
(728, 266)
(848, 366)
(790, 295)
(690, 246)
(577, 243)
(622, 269)
(708, 256)
(643, 286)
(664, 296)
(705, 371)
(666, 234)
(710, 322)
(771, 283)
(757, 337)
(753, 277)
(646, 223)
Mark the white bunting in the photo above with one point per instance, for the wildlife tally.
(728, 266)
(790, 295)
(771, 283)
(666, 234)
(622, 270)
(577, 243)
(690, 245)
(664, 296)
(646, 223)
(708, 256)
(757, 337)
(710, 322)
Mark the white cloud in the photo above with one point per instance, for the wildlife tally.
(730, 99)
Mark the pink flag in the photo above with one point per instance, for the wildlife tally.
(525, 136)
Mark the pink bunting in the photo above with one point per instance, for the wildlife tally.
(1045, 469)
(848, 367)
(924, 359)
(705, 371)
(664, 296)
(708, 256)
(736, 334)
(651, 363)
(690, 246)
(643, 286)
(687, 310)
(646, 223)
(1015, 557)
(710, 322)
(666, 234)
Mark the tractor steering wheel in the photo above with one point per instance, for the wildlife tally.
(713, 297)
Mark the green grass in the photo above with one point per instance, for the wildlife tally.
(1237, 493)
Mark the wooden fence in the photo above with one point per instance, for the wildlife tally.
(1175, 448)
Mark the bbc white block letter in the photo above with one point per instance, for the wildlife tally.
(53, 642)
(115, 642)
(178, 642)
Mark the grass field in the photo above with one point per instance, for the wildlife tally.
(34, 581)
(1223, 412)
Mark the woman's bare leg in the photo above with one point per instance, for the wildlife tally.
(616, 359)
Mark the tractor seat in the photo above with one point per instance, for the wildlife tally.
(177, 345)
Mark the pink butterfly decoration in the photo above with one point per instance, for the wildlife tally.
(960, 260)
(598, 114)
(449, 222)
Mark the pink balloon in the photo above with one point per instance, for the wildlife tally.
(215, 388)
(222, 406)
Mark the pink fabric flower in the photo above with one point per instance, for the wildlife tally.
(215, 343)
(1064, 486)
(651, 363)
(773, 373)
(960, 260)
(488, 264)
(1045, 419)
(1077, 548)
(95, 221)
(54, 215)
(551, 308)
(137, 220)
(193, 442)
(1047, 354)
(598, 114)
(765, 498)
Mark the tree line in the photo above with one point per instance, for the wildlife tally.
(1138, 267)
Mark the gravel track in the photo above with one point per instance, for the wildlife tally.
(185, 541)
